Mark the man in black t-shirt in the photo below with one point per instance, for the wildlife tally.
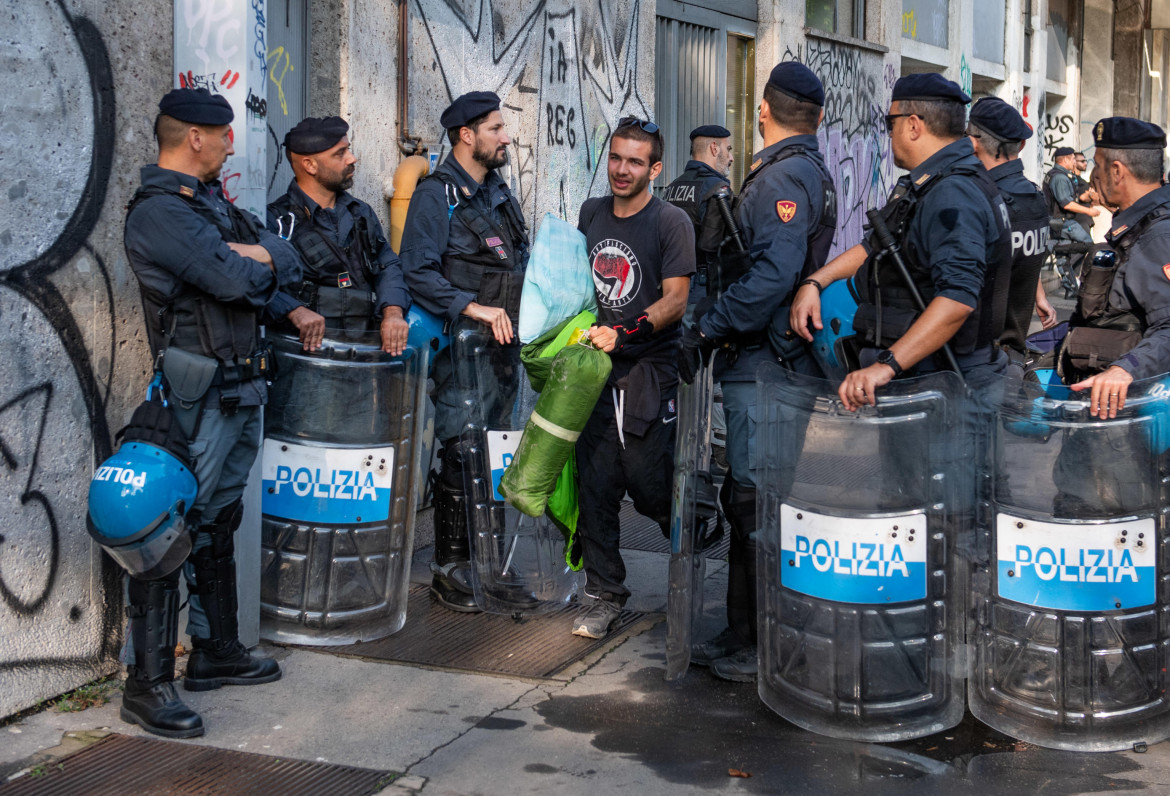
(642, 252)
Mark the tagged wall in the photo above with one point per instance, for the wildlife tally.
(70, 324)
(566, 72)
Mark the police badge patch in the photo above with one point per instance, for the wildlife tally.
(786, 210)
(1166, 270)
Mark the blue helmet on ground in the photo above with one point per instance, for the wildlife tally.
(140, 496)
(829, 347)
(426, 330)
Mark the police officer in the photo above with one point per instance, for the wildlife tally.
(997, 132)
(1131, 276)
(694, 190)
(955, 237)
(207, 271)
(464, 250)
(787, 214)
(1061, 186)
(352, 276)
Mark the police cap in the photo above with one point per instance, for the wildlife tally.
(797, 81)
(928, 87)
(470, 106)
(1123, 132)
(1000, 119)
(196, 106)
(315, 135)
(710, 131)
(1063, 151)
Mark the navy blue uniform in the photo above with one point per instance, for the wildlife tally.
(175, 249)
(1029, 216)
(340, 224)
(692, 193)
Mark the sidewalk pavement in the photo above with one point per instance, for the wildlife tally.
(610, 724)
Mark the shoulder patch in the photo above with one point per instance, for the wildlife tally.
(1166, 270)
(786, 210)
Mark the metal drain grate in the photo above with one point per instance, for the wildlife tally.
(642, 533)
(540, 646)
(119, 764)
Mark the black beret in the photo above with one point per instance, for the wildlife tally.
(196, 106)
(710, 131)
(1063, 151)
(930, 87)
(470, 106)
(315, 135)
(1122, 132)
(797, 81)
(1000, 119)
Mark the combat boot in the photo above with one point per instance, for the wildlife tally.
(451, 581)
(149, 698)
(222, 659)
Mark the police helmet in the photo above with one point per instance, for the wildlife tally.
(426, 330)
(138, 501)
(831, 342)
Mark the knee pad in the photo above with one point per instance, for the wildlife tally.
(456, 457)
(231, 516)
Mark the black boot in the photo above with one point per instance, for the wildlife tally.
(222, 659)
(451, 583)
(149, 698)
(739, 504)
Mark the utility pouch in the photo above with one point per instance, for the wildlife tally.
(188, 375)
(1097, 281)
(1087, 351)
(341, 306)
(502, 289)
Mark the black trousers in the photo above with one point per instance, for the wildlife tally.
(644, 468)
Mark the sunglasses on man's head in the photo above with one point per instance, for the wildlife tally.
(630, 121)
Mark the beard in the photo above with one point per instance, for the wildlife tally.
(490, 159)
(340, 182)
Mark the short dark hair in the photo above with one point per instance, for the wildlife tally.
(453, 133)
(636, 133)
(169, 132)
(943, 118)
(999, 147)
(1144, 164)
(798, 115)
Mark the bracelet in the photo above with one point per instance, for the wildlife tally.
(811, 281)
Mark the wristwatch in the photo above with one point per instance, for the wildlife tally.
(886, 357)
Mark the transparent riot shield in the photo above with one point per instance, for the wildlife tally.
(1071, 641)
(340, 472)
(860, 595)
(518, 562)
(693, 510)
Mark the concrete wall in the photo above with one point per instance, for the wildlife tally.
(80, 98)
(858, 78)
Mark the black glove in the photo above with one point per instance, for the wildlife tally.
(693, 352)
(631, 330)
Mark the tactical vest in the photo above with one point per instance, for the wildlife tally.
(731, 266)
(495, 271)
(887, 310)
(690, 193)
(1099, 333)
(338, 278)
(191, 319)
(1030, 229)
(1055, 210)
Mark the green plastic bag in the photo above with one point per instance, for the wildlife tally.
(561, 502)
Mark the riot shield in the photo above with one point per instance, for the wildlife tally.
(340, 471)
(1071, 644)
(518, 562)
(693, 512)
(860, 595)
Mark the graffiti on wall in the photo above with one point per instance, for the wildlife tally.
(1058, 132)
(565, 73)
(853, 137)
(55, 291)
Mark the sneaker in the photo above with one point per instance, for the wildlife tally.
(741, 667)
(595, 622)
